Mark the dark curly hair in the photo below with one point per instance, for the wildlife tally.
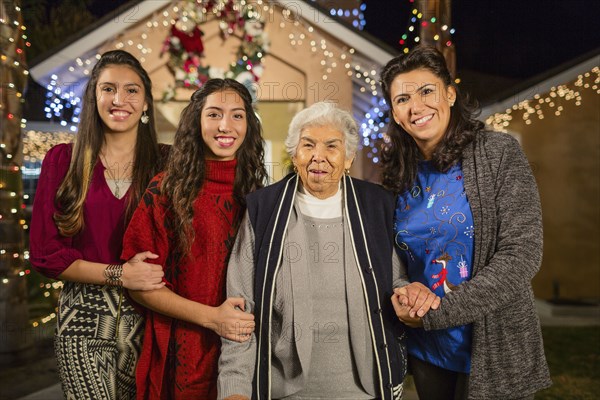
(73, 190)
(401, 155)
(186, 170)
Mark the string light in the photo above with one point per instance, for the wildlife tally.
(355, 15)
(10, 62)
(417, 19)
(373, 130)
(14, 64)
(550, 104)
(35, 146)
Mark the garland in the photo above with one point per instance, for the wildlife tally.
(186, 48)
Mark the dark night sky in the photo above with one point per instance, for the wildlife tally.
(508, 38)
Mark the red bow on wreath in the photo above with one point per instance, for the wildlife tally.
(191, 42)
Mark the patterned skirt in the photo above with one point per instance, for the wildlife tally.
(97, 342)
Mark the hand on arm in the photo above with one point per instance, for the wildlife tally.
(140, 275)
(137, 274)
(225, 320)
(231, 322)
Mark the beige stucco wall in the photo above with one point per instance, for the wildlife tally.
(564, 153)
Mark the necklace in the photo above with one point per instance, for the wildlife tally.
(120, 181)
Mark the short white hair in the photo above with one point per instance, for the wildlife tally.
(323, 114)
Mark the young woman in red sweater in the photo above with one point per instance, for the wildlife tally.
(189, 216)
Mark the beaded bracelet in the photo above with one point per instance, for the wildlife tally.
(112, 274)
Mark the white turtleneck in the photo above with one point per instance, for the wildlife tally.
(314, 207)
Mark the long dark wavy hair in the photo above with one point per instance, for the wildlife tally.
(401, 155)
(186, 170)
(90, 138)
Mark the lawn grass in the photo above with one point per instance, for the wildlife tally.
(573, 354)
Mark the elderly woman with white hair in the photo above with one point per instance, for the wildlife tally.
(314, 260)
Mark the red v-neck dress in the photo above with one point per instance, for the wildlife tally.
(93, 363)
(179, 359)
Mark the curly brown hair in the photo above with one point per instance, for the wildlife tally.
(73, 190)
(186, 170)
(401, 155)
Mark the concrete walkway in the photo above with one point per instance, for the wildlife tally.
(550, 315)
(51, 393)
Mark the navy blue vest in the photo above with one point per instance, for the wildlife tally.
(370, 210)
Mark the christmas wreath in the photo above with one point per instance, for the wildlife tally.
(186, 49)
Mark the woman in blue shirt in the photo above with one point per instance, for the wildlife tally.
(468, 228)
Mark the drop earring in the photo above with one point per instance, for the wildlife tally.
(145, 118)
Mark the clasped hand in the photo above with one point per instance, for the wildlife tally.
(412, 302)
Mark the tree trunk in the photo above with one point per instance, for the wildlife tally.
(15, 332)
(441, 10)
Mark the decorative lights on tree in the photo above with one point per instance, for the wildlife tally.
(13, 75)
(373, 129)
(420, 20)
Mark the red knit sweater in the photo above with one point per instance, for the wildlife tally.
(179, 359)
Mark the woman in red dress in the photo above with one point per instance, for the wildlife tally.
(189, 216)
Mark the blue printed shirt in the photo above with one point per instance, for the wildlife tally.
(434, 235)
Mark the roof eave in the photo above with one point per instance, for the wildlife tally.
(361, 42)
(543, 83)
(94, 39)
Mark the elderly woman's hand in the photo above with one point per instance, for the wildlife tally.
(418, 298)
(231, 322)
(403, 313)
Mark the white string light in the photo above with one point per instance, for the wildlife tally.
(541, 106)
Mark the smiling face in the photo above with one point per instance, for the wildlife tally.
(421, 106)
(120, 99)
(321, 160)
(223, 123)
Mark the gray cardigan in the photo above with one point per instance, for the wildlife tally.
(507, 355)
